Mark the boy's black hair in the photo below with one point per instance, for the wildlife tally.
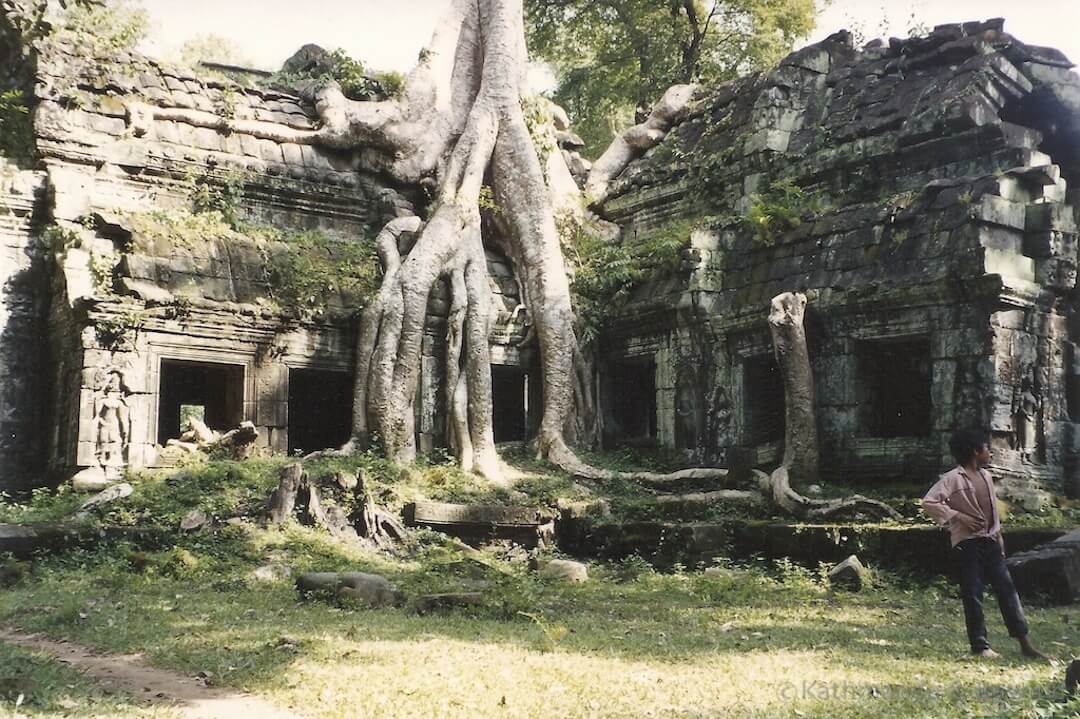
(966, 442)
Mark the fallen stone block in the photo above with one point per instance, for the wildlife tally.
(1051, 570)
(849, 574)
(476, 523)
(269, 573)
(91, 479)
(369, 590)
(564, 569)
(113, 493)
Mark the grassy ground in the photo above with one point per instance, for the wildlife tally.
(753, 640)
(224, 489)
(757, 640)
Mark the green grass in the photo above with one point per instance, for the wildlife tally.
(760, 639)
(224, 488)
(32, 685)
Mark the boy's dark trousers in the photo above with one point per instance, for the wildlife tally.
(981, 563)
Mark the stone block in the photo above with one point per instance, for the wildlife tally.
(272, 414)
(292, 154)
(849, 574)
(1051, 570)
(767, 140)
(1009, 265)
(250, 146)
(999, 211)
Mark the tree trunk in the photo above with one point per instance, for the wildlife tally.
(800, 422)
(283, 500)
(460, 121)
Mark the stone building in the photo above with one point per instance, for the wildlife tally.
(918, 192)
(921, 193)
(123, 313)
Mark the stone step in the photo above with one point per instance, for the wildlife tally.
(478, 522)
(921, 548)
(1051, 570)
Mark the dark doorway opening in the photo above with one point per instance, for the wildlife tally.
(631, 407)
(320, 409)
(509, 407)
(764, 400)
(894, 387)
(210, 391)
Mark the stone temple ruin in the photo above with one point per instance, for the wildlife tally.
(918, 192)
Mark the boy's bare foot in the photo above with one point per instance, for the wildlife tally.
(987, 653)
(1028, 650)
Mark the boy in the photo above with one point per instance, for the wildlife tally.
(964, 500)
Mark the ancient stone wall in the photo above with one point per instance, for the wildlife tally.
(146, 324)
(918, 193)
(157, 312)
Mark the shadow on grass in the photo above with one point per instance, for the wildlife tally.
(49, 688)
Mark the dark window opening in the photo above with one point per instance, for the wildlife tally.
(893, 391)
(508, 403)
(211, 392)
(320, 409)
(631, 392)
(764, 399)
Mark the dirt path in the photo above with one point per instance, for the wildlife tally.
(144, 683)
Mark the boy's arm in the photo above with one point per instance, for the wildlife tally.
(935, 504)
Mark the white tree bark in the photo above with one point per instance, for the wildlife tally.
(800, 460)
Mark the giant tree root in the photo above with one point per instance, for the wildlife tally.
(297, 495)
(778, 488)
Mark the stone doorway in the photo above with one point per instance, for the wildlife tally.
(214, 392)
(320, 409)
(630, 406)
(764, 400)
(509, 403)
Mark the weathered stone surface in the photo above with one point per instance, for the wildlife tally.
(270, 573)
(441, 513)
(369, 590)
(1051, 570)
(849, 574)
(107, 496)
(561, 569)
(91, 479)
(195, 519)
(478, 522)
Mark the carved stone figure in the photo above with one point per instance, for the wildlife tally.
(113, 425)
(1027, 423)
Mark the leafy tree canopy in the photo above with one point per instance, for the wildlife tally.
(613, 57)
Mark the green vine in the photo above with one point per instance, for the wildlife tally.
(605, 272)
(16, 129)
(120, 331)
(541, 125)
(338, 66)
(779, 208)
